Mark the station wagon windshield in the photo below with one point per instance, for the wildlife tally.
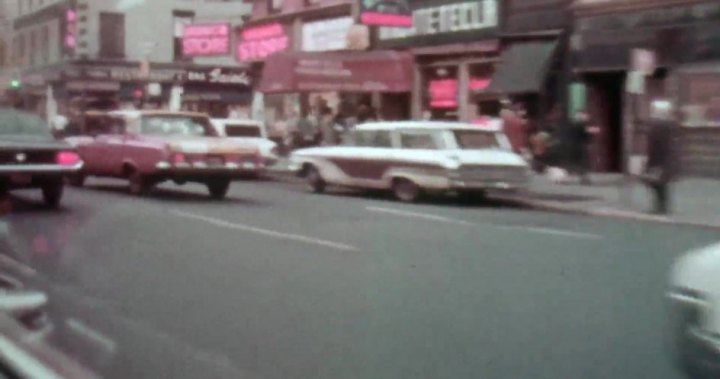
(475, 139)
(175, 126)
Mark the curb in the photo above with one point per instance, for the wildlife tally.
(608, 213)
(290, 177)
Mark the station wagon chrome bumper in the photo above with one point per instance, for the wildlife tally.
(201, 168)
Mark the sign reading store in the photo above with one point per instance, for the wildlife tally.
(444, 22)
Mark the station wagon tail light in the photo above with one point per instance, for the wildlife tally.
(67, 158)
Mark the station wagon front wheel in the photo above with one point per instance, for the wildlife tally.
(314, 180)
(406, 190)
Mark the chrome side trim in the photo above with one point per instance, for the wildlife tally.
(40, 168)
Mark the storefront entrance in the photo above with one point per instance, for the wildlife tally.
(605, 106)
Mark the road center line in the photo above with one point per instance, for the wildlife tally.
(92, 334)
(265, 232)
(528, 229)
(424, 216)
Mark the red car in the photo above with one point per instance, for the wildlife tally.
(149, 147)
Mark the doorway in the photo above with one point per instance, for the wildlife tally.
(605, 107)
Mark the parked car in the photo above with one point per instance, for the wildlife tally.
(249, 131)
(149, 147)
(30, 157)
(694, 298)
(415, 157)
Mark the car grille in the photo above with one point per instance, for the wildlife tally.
(483, 173)
(30, 157)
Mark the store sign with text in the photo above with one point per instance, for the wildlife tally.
(444, 24)
(326, 35)
(218, 76)
(258, 42)
(395, 13)
(206, 39)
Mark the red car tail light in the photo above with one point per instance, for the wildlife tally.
(67, 158)
(178, 158)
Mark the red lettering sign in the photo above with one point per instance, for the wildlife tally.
(261, 41)
(206, 39)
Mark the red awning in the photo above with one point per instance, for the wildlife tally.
(362, 71)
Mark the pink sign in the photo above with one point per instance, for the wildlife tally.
(443, 93)
(478, 84)
(70, 29)
(386, 19)
(206, 39)
(259, 42)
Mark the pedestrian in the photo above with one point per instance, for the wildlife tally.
(327, 127)
(661, 168)
(514, 126)
(579, 140)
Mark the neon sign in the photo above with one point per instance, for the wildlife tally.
(259, 42)
(206, 39)
(394, 13)
(443, 93)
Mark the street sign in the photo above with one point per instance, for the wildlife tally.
(643, 60)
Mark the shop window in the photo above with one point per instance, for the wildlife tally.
(701, 103)
(112, 35)
(275, 6)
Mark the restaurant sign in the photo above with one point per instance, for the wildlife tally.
(258, 42)
(208, 75)
(218, 76)
(206, 39)
(453, 22)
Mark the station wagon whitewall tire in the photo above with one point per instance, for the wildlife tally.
(315, 181)
(406, 190)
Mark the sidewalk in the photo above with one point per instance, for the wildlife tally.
(695, 202)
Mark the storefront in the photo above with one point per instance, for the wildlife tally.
(98, 85)
(454, 45)
(685, 41)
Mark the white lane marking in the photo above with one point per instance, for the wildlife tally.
(22, 361)
(549, 231)
(424, 216)
(265, 232)
(529, 229)
(92, 334)
(26, 270)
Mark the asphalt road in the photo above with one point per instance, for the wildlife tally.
(275, 282)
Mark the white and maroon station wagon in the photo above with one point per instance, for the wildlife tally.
(416, 157)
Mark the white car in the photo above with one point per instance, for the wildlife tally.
(414, 157)
(694, 297)
(250, 132)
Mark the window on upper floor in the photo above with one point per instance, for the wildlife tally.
(112, 35)
(45, 42)
(180, 19)
(275, 5)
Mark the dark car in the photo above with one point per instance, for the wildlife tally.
(30, 157)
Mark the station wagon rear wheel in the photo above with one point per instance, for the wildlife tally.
(406, 190)
(314, 180)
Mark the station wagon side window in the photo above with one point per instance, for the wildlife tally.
(425, 140)
(372, 138)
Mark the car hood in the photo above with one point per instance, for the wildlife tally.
(487, 157)
(204, 145)
(698, 269)
(31, 142)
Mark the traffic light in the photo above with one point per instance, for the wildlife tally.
(15, 84)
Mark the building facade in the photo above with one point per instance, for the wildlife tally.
(122, 53)
(683, 36)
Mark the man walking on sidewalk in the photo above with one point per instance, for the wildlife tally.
(662, 158)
